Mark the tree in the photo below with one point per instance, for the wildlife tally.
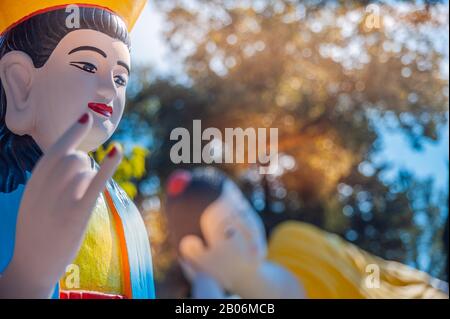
(324, 76)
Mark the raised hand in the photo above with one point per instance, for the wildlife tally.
(54, 213)
(218, 259)
(220, 264)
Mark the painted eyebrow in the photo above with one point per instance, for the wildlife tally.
(124, 65)
(89, 48)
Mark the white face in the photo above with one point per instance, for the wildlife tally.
(87, 72)
(230, 222)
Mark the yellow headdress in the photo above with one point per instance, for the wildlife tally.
(13, 12)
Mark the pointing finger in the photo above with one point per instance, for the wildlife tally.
(106, 171)
(72, 137)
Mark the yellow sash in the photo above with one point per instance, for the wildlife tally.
(99, 263)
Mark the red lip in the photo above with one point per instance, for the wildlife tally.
(101, 108)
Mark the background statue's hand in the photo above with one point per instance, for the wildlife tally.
(218, 259)
(222, 265)
(54, 212)
(203, 286)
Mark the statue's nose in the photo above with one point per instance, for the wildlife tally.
(107, 89)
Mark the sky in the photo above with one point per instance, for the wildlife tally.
(149, 47)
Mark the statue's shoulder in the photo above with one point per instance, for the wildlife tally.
(10, 202)
(9, 209)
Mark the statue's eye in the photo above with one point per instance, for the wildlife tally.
(85, 66)
(229, 232)
(119, 80)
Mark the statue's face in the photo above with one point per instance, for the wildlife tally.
(231, 223)
(87, 72)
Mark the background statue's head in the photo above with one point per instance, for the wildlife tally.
(50, 74)
(212, 223)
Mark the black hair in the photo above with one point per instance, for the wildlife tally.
(38, 37)
(184, 209)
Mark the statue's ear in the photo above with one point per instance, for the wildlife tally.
(16, 74)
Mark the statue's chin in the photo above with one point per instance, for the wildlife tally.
(90, 144)
(95, 138)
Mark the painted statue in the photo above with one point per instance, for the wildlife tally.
(64, 70)
(219, 234)
(222, 247)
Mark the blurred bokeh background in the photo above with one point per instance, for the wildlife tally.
(358, 90)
